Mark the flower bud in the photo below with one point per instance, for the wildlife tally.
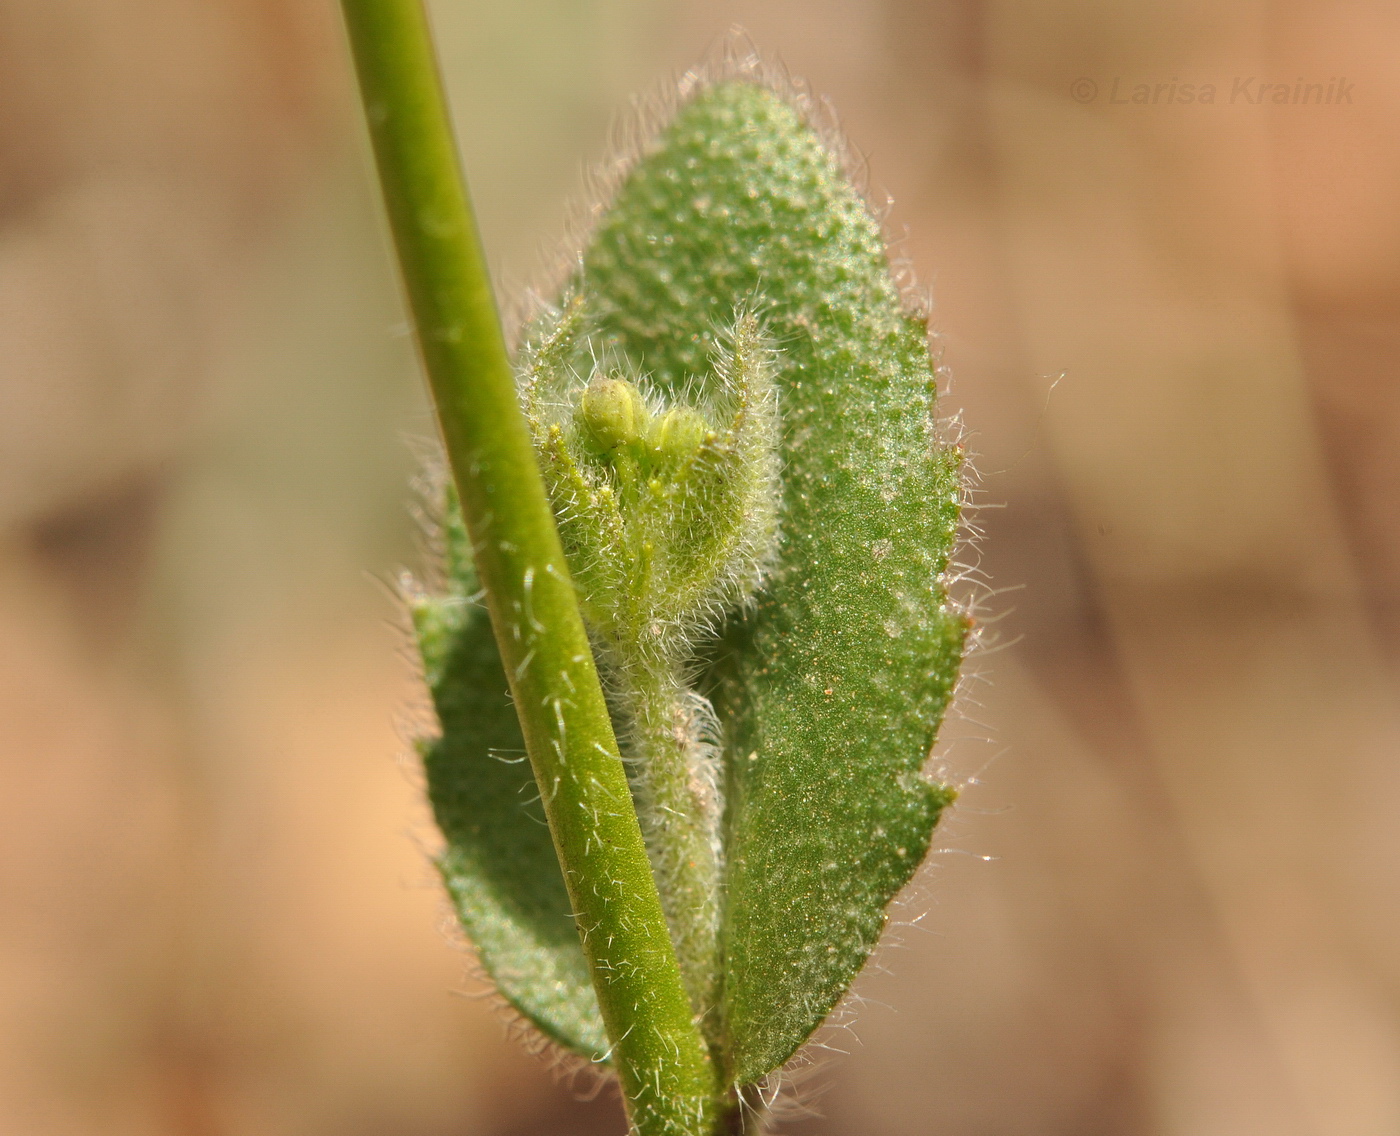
(612, 413)
(676, 435)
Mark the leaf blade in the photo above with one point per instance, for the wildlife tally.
(837, 681)
(499, 864)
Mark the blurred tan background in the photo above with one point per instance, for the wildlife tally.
(1169, 903)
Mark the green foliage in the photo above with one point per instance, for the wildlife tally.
(734, 415)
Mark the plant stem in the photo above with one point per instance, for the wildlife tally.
(669, 1083)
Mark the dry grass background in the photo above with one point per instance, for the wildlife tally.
(1175, 335)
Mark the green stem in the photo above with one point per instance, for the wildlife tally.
(668, 1080)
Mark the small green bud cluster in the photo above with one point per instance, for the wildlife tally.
(667, 507)
(613, 416)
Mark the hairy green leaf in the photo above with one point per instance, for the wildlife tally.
(831, 690)
(810, 661)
